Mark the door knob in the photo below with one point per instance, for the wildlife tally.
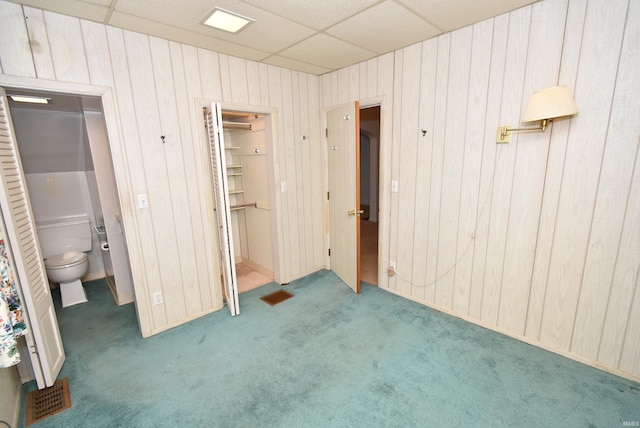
(354, 212)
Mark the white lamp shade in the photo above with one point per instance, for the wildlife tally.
(550, 103)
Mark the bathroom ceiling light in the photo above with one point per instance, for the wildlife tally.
(30, 99)
(227, 21)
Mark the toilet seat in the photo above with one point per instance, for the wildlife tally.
(65, 260)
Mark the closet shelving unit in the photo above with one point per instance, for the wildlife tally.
(234, 169)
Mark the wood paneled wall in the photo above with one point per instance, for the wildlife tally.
(539, 238)
(154, 86)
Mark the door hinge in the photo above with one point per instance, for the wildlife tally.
(327, 196)
(329, 252)
(326, 132)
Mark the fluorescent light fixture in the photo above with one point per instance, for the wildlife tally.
(30, 99)
(227, 21)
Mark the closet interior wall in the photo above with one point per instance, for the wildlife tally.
(247, 157)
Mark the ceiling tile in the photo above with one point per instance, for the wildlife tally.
(450, 15)
(292, 64)
(319, 15)
(177, 34)
(326, 51)
(269, 33)
(371, 28)
(79, 9)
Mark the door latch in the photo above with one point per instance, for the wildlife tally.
(354, 212)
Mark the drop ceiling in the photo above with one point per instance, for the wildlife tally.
(313, 36)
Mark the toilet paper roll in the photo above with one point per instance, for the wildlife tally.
(104, 245)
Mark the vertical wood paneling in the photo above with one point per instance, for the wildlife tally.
(630, 355)
(238, 78)
(437, 153)
(158, 218)
(453, 160)
(471, 168)
(316, 149)
(553, 177)
(15, 50)
(288, 152)
(209, 63)
(305, 173)
(611, 204)
(67, 48)
(148, 272)
(543, 64)
(425, 162)
(488, 163)
(187, 80)
(296, 155)
(510, 107)
(394, 162)
(582, 169)
(253, 84)
(39, 43)
(276, 100)
(173, 152)
(407, 156)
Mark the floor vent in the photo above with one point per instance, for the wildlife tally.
(276, 297)
(49, 401)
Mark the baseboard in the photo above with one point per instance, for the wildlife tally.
(537, 344)
(263, 270)
(123, 299)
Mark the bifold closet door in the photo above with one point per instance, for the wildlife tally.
(223, 212)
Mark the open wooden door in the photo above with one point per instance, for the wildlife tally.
(43, 337)
(343, 140)
(223, 214)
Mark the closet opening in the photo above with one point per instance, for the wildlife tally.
(247, 138)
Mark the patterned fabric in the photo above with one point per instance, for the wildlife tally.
(12, 323)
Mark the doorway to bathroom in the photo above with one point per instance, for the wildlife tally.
(66, 160)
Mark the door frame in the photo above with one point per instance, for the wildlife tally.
(273, 173)
(114, 131)
(384, 191)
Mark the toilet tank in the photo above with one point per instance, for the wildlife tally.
(59, 235)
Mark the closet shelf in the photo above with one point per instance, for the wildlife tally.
(233, 166)
(236, 125)
(243, 206)
(236, 192)
(232, 148)
(234, 174)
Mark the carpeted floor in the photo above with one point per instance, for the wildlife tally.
(324, 358)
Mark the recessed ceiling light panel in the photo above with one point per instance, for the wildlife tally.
(227, 21)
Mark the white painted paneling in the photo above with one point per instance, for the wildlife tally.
(538, 237)
(154, 87)
(15, 50)
(39, 43)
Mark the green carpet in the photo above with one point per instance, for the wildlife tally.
(324, 358)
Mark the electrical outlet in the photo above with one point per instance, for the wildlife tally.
(157, 298)
(394, 186)
(283, 186)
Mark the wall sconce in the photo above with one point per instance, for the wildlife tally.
(544, 106)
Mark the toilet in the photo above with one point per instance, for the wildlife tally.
(64, 242)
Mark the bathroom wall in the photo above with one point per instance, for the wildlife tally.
(58, 169)
(116, 260)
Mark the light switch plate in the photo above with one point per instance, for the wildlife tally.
(143, 200)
